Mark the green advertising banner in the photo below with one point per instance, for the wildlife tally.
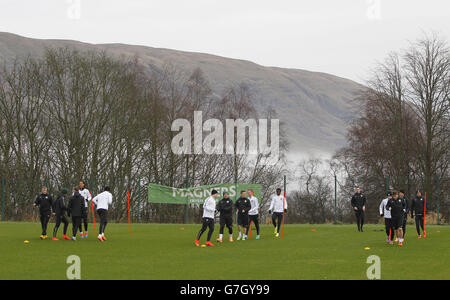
(197, 195)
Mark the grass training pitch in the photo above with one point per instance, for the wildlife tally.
(160, 251)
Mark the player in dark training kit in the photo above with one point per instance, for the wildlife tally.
(225, 208)
(84, 192)
(397, 207)
(243, 206)
(384, 212)
(359, 206)
(75, 209)
(59, 209)
(44, 201)
(417, 209)
(405, 215)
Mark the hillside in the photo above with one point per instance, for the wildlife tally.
(315, 107)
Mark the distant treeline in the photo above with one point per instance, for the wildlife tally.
(71, 116)
(85, 115)
(399, 139)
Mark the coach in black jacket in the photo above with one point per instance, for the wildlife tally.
(75, 209)
(417, 209)
(44, 201)
(359, 206)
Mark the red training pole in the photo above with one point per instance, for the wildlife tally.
(93, 214)
(129, 225)
(424, 215)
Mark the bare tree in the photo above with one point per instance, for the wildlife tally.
(71, 116)
(401, 137)
(427, 68)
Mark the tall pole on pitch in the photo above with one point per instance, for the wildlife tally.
(186, 213)
(93, 213)
(424, 215)
(129, 219)
(237, 191)
(90, 187)
(139, 200)
(284, 201)
(3, 198)
(251, 223)
(335, 198)
(438, 197)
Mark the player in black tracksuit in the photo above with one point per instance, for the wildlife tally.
(60, 208)
(417, 209)
(405, 215)
(225, 208)
(359, 206)
(44, 201)
(243, 206)
(397, 207)
(75, 209)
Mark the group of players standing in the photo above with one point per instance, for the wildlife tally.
(77, 208)
(247, 209)
(394, 209)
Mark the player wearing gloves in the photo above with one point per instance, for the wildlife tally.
(384, 212)
(225, 208)
(44, 201)
(417, 209)
(209, 208)
(277, 205)
(59, 209)
(84, 218)
(75, 210)
(359, 206)
(242, 207)
(397, 207)
(102, 201)
(253, 212)
(405, 215)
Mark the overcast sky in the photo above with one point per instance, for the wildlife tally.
(341, 37)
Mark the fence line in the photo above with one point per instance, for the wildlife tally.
(17, 196)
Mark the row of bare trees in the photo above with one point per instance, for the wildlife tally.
(399, 138)
(73, 115)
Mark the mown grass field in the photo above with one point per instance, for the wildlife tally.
(157, 251)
